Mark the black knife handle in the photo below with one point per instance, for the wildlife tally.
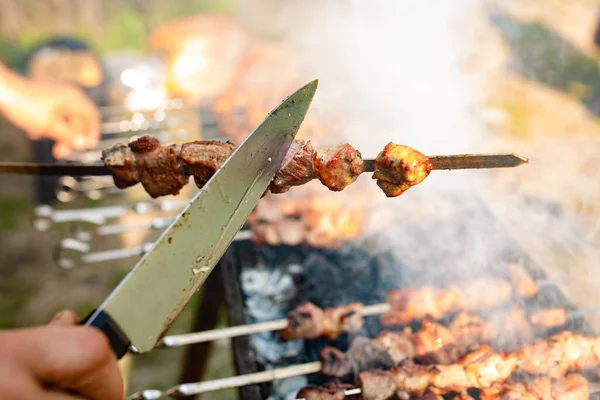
(119, 342)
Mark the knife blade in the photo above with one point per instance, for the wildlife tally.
(149, 299)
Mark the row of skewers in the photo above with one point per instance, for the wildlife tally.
(434, 359)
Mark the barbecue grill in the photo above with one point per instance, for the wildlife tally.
(267, 282)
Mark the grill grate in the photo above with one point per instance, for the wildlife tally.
(330, 278)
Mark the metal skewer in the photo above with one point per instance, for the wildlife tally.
(280, 324)
(190, 389)
(243, 330)
(83, 256)
(461, 161)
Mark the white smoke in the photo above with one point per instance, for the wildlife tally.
(402, 71)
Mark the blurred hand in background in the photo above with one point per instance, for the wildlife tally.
(58, 111)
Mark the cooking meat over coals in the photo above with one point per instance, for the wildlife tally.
(570, 387)
(483, 368)
(308, 321)
(432, 344)
(164, 170)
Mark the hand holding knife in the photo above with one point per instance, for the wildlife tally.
(149, 299)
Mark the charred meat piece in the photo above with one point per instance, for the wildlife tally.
(431, 337)
(485, 366)
(487, 293)
(549, 318)
(287, 231)
(338, 167)
(310, 322)
(398, 167)
(524, 283)
(121, 162)
(363, 355)
(342, 319)
(205, 158)
(296, 169)
(304, 322)
(471, 327)
(369, 355)
(376, 385)
(329, 391)
(448, 354)
(336, 363)
(570, 387)
(158, 167)
(399, 345)
(560, 353)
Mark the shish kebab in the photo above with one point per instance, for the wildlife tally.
(310, 322)
(570, 387)
(483, 368)
(165, 170)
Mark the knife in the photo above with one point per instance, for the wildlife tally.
(148, 300)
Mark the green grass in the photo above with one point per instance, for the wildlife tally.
(13, 210)
(13, 301)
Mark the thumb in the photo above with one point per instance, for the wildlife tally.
(64, 318)
(61, 150)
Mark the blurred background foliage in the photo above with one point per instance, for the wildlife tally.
(109, 25)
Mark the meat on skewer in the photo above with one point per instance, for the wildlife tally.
(525, 284)
(408, 304)
(398, 167)
(479, 369)
(164, 170)
(570, 387)
(432, 344)
(338, 167)
(560, 353)
(310, 322)
(297, 168)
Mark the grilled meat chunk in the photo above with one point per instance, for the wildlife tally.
(398, 167)
(570, 387)
(336, 363)
(296, 169)
(121, 162)
(549, 318)
(329, 391)
(526, 286)
(342, 319)
(363, 355)
(338, 167)
(431, 337)
(158, 167)
(376, 385)
(310, 322)
(399, 345)
(471, 327)
(205, 158)
(304, 322)
(560, 353)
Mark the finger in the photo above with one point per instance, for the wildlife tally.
(64, 318)
(61, 150)
(88, 116)
(56, 395)
(76, 358)
(17, 384)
